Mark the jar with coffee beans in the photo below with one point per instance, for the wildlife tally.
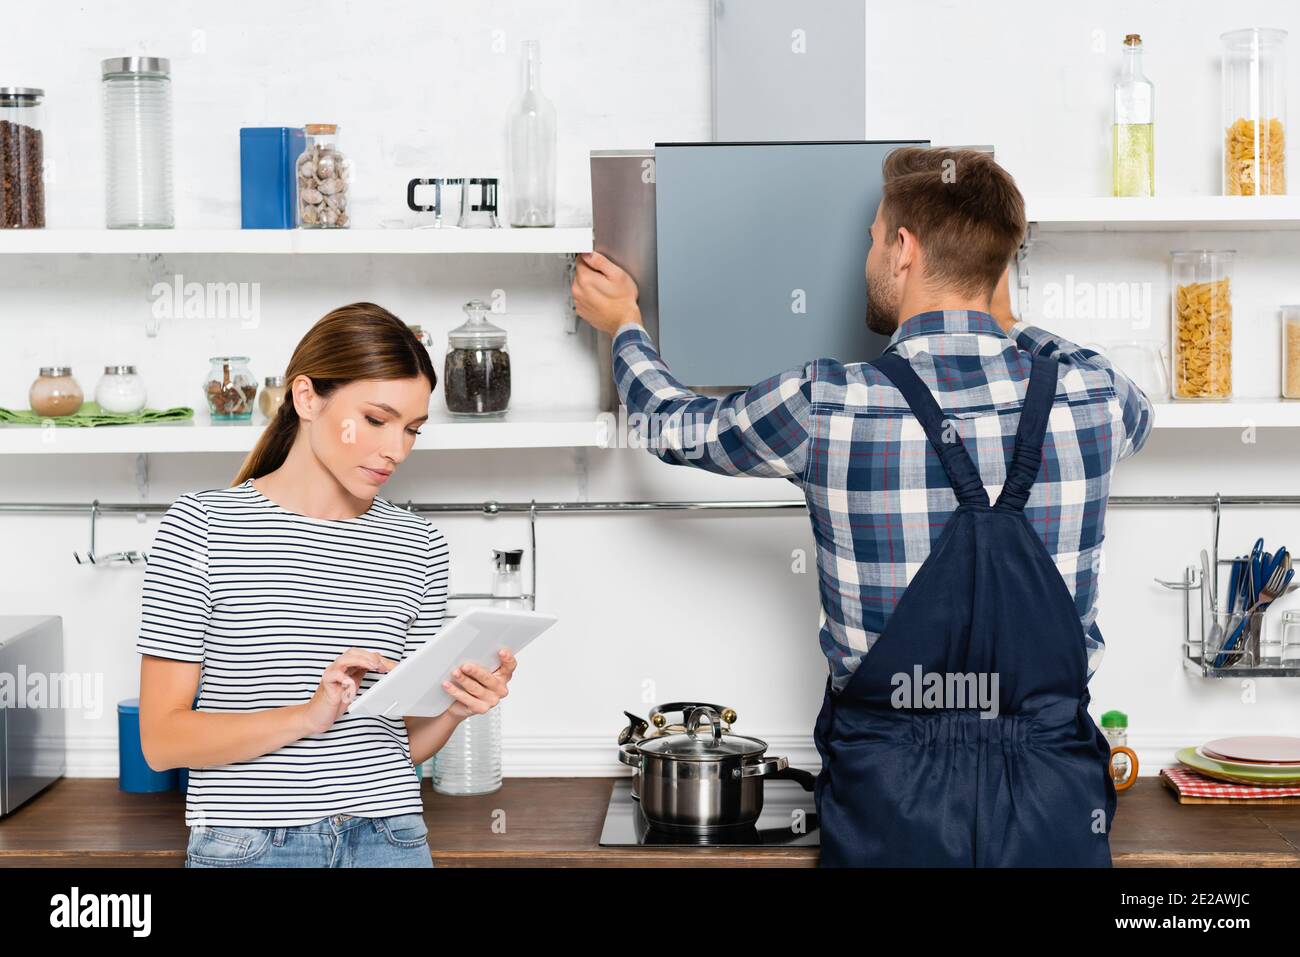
(476, 372)
(22, 158)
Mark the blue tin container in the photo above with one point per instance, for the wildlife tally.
(268, 186)
(133, 773)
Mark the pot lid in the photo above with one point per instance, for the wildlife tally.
(700, 745)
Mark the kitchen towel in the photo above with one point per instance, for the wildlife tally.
(90, 414)
(1188, 784)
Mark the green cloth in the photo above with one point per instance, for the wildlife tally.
(90, 414)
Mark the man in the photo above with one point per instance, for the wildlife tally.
(956, 488)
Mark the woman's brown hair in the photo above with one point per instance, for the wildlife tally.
(360, 341)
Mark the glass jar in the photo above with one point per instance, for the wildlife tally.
(22, 158)
(272, 396)
(1132, 137)
(1291, 352)
(1291, 639)
(324, 178)
(230, 388)
(1123, 759)
(1253, 64)
(55, 392)
(120, 390)
(476, 371)
(1201, 334)
(138, 142)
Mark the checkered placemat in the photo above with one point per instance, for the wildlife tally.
(1189, 783)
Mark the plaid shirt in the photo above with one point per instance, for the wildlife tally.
(877, 495)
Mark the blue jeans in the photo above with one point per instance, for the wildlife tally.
(342, 840)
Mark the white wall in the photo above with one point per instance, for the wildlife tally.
(653, 608)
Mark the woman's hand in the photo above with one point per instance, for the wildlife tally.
(339, 685)
(479, 690)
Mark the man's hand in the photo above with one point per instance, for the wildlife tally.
(603, 294)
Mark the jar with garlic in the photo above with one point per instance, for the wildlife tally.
(1201, 334)
(324, 177)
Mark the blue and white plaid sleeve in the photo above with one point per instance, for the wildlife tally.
(1134, 402)
(761, 431)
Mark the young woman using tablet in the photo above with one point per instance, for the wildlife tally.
(287, 594)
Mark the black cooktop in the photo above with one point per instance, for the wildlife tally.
(789, 818)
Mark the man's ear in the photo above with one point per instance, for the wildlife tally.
(907, 252)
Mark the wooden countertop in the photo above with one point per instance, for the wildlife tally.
(89, 822)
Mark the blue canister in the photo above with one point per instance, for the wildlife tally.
(268, 186)
(133, 773)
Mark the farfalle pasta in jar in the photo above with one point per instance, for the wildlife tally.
(1201, 333)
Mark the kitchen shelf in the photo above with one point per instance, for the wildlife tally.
(518, 430)
(564, 239)
(1155, 213)
(1233, 414)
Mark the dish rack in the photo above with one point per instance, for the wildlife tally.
(1207, 650)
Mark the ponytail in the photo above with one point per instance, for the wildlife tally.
(273, 445)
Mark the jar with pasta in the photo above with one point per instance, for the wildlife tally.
(1201, 334)
(1291, 352)
(1254, 112)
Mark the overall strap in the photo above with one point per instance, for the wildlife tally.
(962, 473)
(1022, 469)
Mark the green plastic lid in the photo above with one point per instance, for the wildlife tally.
(1114, 719)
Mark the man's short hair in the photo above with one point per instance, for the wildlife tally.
(963, 208)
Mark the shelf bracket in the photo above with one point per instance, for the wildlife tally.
(571, 312)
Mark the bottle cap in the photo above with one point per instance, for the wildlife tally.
(1114, 719)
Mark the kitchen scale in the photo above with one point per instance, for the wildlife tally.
(788, 819)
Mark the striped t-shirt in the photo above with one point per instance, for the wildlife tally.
(266, 599)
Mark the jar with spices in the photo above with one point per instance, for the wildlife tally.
(138, 142)
(120, 389)
(324, 175)
(1201, 337)
(22, 158)
(55, 392)
(1123, 759)
(230, 388)
(1253, 64)
(1291, 352)
(272, 396)
(476, 372)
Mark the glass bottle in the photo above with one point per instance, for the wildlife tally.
(532, 148)
(22, 158)
(476, 371)
(1254, 112)
(1201, 333)
(1124, 761)
(324, 179)
(272, 396)
(138, 142)
(507, 581)
(1133, 127)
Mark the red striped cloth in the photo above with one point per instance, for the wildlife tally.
(1190, 783)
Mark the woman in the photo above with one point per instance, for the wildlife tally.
(292, 591)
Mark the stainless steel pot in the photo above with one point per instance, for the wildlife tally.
(697, 781)
(661, 723)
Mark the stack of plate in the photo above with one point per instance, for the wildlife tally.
(1259, 760)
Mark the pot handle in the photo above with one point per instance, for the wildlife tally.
(763, 769)
(629, 755)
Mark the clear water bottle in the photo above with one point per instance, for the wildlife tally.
(532, 148)
(470, 761)
(138, 142)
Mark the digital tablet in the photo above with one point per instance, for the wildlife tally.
(414, 687)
